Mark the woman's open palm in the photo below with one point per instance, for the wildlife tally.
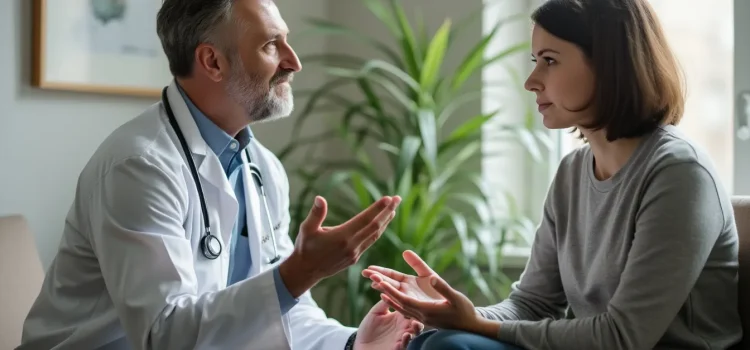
(417, 287)
(425, 297)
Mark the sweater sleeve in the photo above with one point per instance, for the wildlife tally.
(539, 293)
(677, 224)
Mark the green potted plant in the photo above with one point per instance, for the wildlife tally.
(399, 114)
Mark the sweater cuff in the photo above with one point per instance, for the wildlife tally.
(507, 332)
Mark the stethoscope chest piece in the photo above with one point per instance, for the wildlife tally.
(211, 246)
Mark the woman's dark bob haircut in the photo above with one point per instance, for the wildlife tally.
(639, 85)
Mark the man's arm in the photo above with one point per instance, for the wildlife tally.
(137, 215)
(311, 328)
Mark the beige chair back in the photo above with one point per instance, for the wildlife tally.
(21, 274)
(741, 205)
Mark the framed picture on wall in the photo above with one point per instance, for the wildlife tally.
(100, 46)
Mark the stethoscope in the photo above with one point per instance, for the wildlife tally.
(210, 244)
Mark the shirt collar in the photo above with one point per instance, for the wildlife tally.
(216, 138)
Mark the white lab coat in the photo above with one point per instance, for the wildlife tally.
(130, 272)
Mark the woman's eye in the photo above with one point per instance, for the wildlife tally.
(547, 60)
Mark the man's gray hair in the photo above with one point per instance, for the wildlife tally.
(182, 25)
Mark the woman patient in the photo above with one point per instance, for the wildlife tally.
(637, 235)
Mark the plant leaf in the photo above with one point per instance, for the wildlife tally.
(383, 14)
(474, 59)
(407, 40)
(428, 129)
(452, 167)
(434, 57)
(331, 28)
(403, 176)
(471, 126)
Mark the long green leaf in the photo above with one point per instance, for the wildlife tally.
(524, 46)
(428, 130)
(409, 46)
(434, 58)
(325, 91)
(456, 103)
(376, 64)
(431, 218)
(403, 176)
(385, 16)
(407, 103)
(474, 59)
(454, 165)
(423, 39)
(409, 148)
(374, 102)
(331, 28)
(353, 291)
(471, 126)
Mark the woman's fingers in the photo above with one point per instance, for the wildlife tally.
(416, 263)
(398, 307)
(403, 299)
(393, 274)
(378, 278)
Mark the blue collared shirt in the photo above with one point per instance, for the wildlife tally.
(229, 151)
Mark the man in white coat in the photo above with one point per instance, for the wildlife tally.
(173, 243)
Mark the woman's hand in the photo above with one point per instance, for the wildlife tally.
(417, 287)
(428, 298)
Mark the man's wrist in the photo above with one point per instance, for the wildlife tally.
(295, 277)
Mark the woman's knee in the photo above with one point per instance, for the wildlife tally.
(457, 340)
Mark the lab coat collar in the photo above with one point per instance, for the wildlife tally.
(187, 124)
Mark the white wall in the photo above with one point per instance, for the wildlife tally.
(47, 137)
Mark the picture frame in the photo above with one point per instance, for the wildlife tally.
(98, 46)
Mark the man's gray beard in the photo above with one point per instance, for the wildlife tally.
(261, 105)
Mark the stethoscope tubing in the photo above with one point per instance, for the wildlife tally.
(211, 246)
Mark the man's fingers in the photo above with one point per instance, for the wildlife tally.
(366, 216)
(405, 340)
(417, 327)
(381, 308)
(370, 233)
(393, 274)
(316, 216)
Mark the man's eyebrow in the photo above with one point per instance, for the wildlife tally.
(278, 34)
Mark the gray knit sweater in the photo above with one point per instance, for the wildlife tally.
(646, 259)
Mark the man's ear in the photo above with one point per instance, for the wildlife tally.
(211, 62)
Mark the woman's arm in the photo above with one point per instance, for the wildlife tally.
(677, 225)
(539, 293)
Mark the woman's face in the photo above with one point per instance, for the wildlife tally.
(562, 80)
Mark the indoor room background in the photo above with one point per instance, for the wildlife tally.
(47, 136)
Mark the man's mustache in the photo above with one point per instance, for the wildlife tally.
(281, 75)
